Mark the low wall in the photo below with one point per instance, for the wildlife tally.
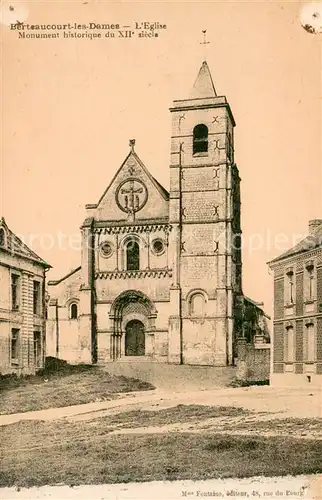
(253, 362)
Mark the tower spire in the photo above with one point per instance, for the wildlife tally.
(203, 86)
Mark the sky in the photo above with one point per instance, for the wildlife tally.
(70, 106)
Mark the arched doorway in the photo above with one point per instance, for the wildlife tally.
(134, 338)
(132, 317)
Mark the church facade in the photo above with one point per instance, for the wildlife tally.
(161, 272)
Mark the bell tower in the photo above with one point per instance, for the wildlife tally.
(205, 239)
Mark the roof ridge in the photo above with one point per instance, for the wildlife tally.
(310, 242)
(157, 184)
(56, 282)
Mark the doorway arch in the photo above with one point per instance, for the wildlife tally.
(132, 316)
(134, 338)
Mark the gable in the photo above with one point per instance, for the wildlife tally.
(16, 247)
(133, 192)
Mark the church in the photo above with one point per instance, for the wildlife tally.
(160, 278)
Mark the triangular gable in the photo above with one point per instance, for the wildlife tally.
(160, 188)
(151, 197)
(16, 246)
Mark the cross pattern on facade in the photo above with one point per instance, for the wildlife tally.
(216, 213)
(181, 117)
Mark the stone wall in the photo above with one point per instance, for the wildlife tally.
(66, 332)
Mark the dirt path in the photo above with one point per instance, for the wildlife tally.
(253, 425)
(273, 413)
(266, 403)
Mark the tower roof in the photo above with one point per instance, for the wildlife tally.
(203, 94)
(203, 86)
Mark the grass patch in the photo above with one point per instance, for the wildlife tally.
(177, 414)
(61, 384)
(48, 453)
(302, 425)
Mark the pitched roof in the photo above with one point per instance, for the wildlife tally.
(17, 247)
(258, 305)
(161, 188)
(203, 86)
(309, 243)
(164, 193)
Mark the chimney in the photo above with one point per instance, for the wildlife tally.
(314, 224)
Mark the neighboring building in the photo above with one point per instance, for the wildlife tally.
(297, 339)
(22, 307)
(161, 273)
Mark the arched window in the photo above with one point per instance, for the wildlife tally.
(200, 139)
(132, 256)
(197, 304)
(73, 311)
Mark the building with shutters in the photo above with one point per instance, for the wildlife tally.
(297, 333)
(22, 305)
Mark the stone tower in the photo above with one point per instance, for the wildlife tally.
(204, 246)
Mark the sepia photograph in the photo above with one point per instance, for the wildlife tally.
(161, 249)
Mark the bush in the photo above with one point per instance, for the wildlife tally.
(248, 383)
(233, 443)
(56, 366)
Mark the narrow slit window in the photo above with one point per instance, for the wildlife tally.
(289, 345)
(290, 287)
(37, 349)
(2, 237)
(73, 311)
(37, 297)
(15, 281)
(14, 344)
(309, 281)
(309, 343)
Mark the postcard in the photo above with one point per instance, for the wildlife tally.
(160, 249)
